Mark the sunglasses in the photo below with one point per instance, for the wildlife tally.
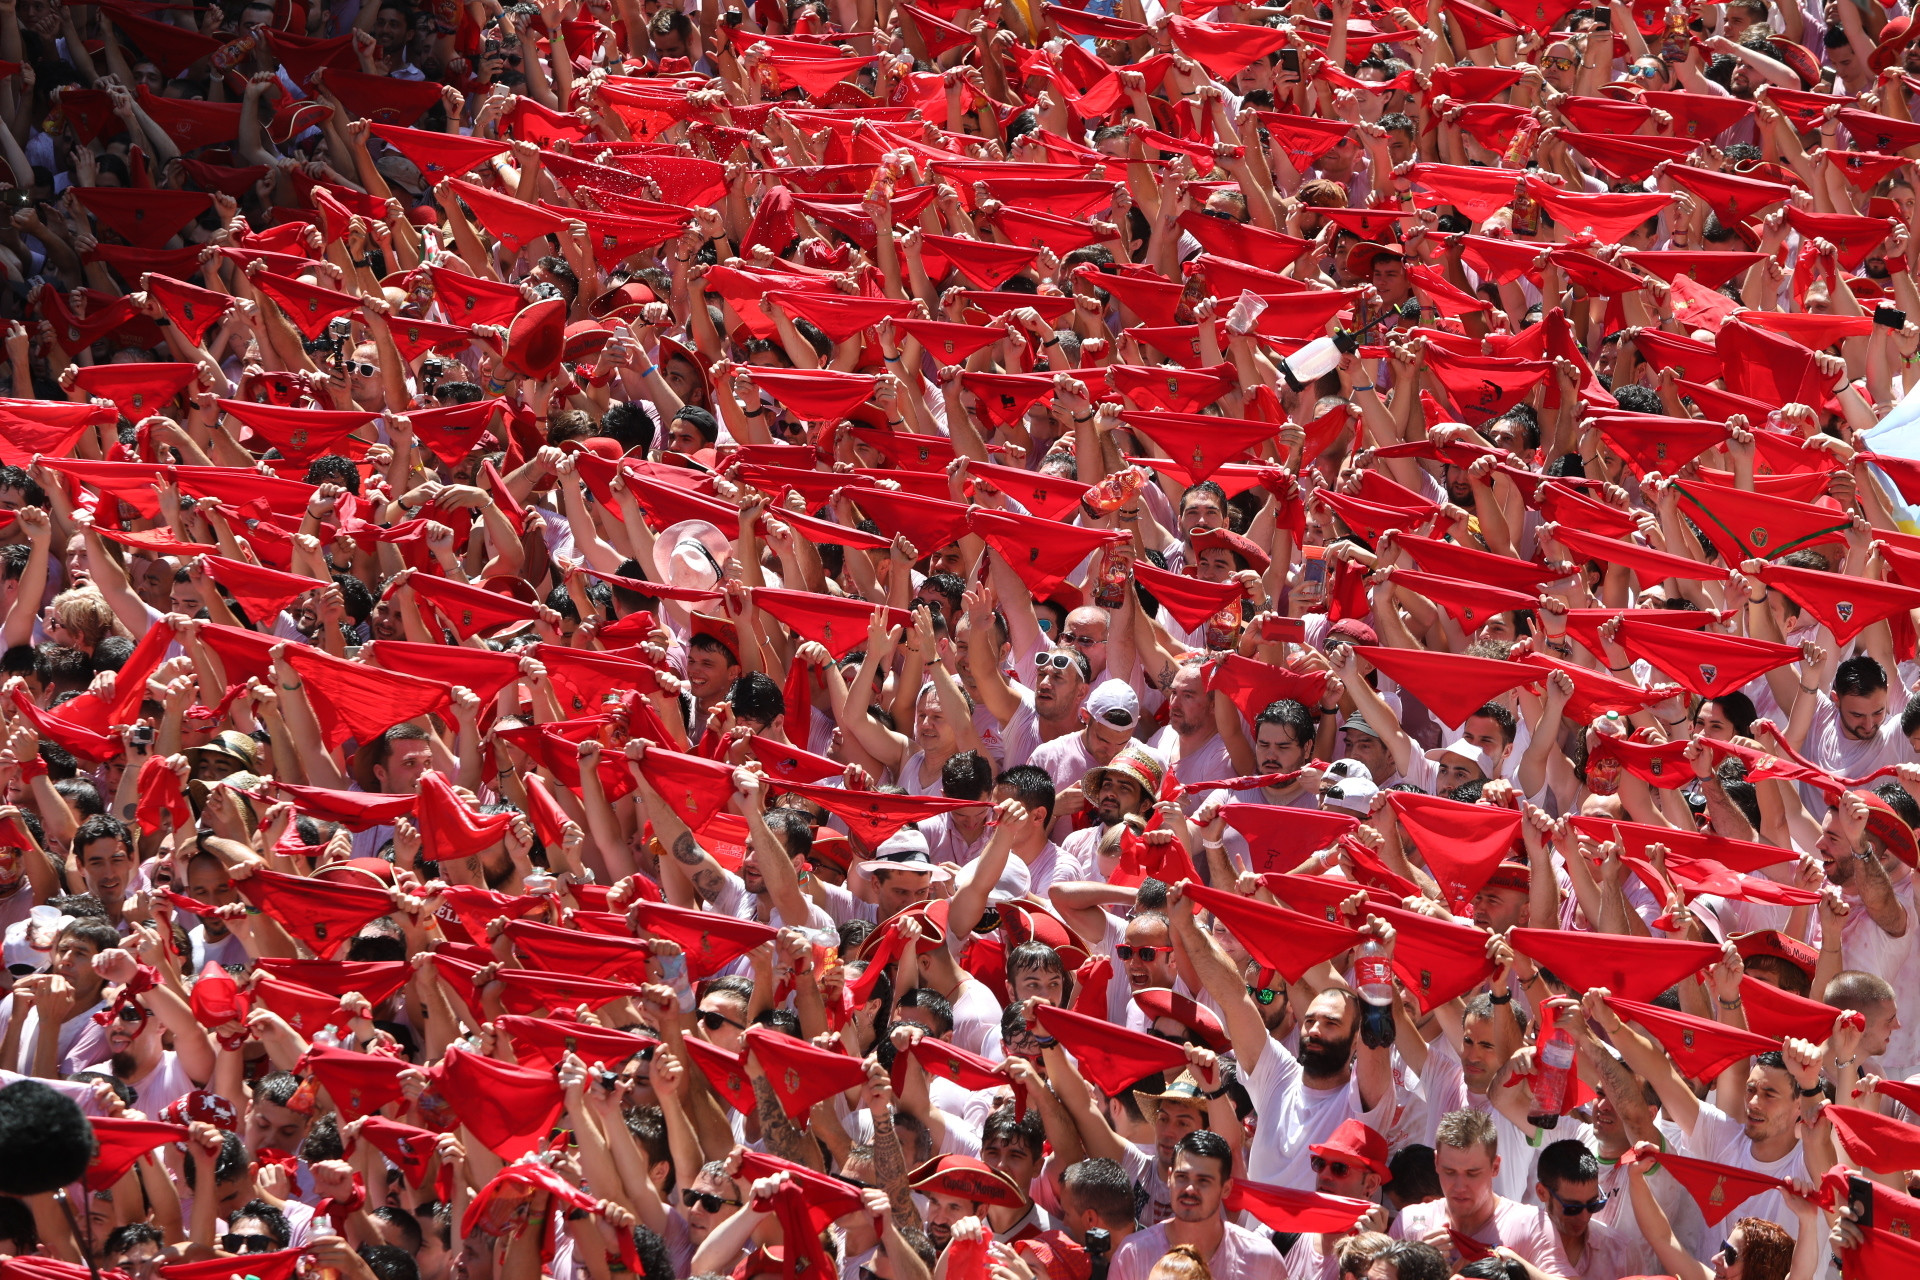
(1262, 995)
(1069, 638)
(1574, 1208)
(1558, 64)
(711, 1203)
(1046, 624)
(234, 1243)
(1147, 954)
(364, 370)
(133, 1013)
(1339, 1168)
(1645, 73)
(1729, 1254)
(1058, 661)
(713, 1020)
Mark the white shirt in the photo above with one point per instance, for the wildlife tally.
(1294, 1116)
(1242, 1255)
(1722, 1139)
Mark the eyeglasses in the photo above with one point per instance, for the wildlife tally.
(1338, 1168)
(1147, 954)
(1574, 1208)
(1262, 995)
(1058, 661)
(1068, 637)
(1729, 1254)
(711, 1203)
(713, 1020)
(234, 1243)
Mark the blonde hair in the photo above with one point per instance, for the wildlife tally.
(1182, 1262)
(85, 612)
(1356, 1253)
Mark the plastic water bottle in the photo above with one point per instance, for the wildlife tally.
(1373, 977)
(1552, 1073)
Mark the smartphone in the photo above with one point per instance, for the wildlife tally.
(1290, 60)
(1293, 630)
(1860, 1200)
(1313, 567)
(1890, 317)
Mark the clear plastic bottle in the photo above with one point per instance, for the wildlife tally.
(1318, 359)
(1373, 978)
(1552, 1073)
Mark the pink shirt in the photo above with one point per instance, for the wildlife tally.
(1522, 1228)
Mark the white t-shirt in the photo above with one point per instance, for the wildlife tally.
(1295, 1116)
(1522, 1228)
(1722, 1139)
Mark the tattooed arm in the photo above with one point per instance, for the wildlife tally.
(782, 1136)
(889, 1160)
(708, 877)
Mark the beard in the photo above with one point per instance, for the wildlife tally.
(122, 1066)
(1325, 1059)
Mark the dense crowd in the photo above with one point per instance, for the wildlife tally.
(973, 640)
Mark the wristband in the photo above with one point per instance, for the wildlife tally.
(649, 370)
(1734, 1003)
(752, 413)
(1221, 1092)
(1814, 1092)
(1505, 999)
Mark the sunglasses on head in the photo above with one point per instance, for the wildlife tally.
(1059, 661)
(1574, 1208)
(1339, 1168)
(234, 1243)
(1262, 995)
(1147, 954)
(711, 1203)
(713, 1020)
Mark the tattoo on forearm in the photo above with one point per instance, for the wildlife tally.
(779, 1133)
(707, 880)
(890, 1166)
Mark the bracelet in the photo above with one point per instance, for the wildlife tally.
(1628, 667)
(1527, 982)
(1216, 1094)
(649, 371)
(1054, 343)
(891, 359)
(1505, 999)
(163, 323)
(1213, 844)
(753, 413)
(1088, 418)
(1839, 1065)
(896, 422)
(1814, 1092)
(1734, 1003)
(292, 688)
(1804, 689)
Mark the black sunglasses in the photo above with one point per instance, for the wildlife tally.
(1262, 995)
(713, 1020)
(1147, 954)
(235, 1243)
(1574, 1208)
(1339, 1168)
(1729, 1253)
(711, 1203)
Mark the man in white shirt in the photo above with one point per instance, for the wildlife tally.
(1782, 1089)
(1849, 732)
(1302, 1098)
(1568, 1188)
(1202, 1180)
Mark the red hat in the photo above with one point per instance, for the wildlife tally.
(584, 338)
(537, 338)
(1239, 543)
(965, 1178)
(1161, 1002)
(1894, 39)
(617, 303)
(1802, 62)
(1358, 1142)
(1361, 257)
(705, 624)
(1888, 827)
(1771, 942)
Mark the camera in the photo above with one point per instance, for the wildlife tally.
(141, 735)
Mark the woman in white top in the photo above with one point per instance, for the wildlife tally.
(942, 723)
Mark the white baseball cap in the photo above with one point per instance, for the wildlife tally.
(1466, 751)
(1113, 699)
